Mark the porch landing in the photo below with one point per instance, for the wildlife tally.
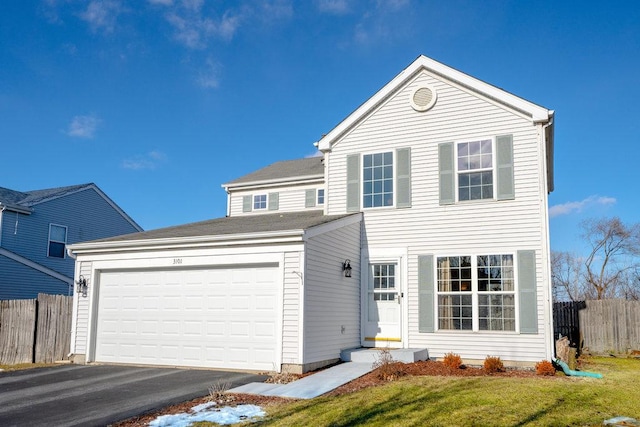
(358, 362)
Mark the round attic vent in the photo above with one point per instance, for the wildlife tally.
(423, 98)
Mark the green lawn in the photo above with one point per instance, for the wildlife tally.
(478, 401)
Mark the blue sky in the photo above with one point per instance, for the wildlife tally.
(160, 101)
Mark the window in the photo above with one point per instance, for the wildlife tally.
(57, 240)
(476, 293)
(260, 201)
(475, 170)
(384, 281)
(320, 198)
(377, 180)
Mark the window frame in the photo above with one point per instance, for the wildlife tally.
(476, 294)
(393, 180)
(260, 207)
(320, 196)
(63, 243)
(458, 172)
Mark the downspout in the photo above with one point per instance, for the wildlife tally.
(2, 209)
(547, 248)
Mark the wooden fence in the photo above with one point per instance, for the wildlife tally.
(35, 330)
(610, 326)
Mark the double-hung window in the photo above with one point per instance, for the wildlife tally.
(377, 180)
(476, 293)
(259, 201)
(57, 240)
(320, 196)
(475, 170)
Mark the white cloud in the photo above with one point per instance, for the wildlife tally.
(151, 160)
(336, 7)
(579, 206)
(208, 78)
(101, 14)
(193, 28)
(83, 126)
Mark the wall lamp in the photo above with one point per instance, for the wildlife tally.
(346, 268)
(82, 286)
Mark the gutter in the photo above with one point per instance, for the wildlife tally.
(285, 236)
(273, 182)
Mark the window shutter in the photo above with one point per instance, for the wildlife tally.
(246, 204)
(446, 173)
(403, 178)
(527, 292)
(309, 198)
(353, 183)
(425, 294)
(274, 201)
(504, 170)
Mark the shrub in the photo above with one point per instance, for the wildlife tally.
(493, 364)
(545, 367)
(386, 368)
(452, 360)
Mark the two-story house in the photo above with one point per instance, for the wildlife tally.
(423, 225)
(36, 227)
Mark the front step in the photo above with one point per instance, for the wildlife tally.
(371, 355)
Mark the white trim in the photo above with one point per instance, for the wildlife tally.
(494, 167)
(244, 186)
(393, 179)
(302, 262)
(332, 225)
(36, 266)
(49, 240)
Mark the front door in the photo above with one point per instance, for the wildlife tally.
(383, 311)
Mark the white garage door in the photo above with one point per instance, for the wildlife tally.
(216, 318)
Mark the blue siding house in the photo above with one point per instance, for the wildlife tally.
(35, 228)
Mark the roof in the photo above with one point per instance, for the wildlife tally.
(227, 226)
(23, 201)
(535, 112)
(27, 199)
(311, 167)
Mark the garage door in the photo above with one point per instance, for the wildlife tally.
(216, 318)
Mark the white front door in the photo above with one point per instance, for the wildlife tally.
(383, 306)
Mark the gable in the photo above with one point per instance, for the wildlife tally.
(439, 73)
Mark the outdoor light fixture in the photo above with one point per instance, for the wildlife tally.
(82, 286)
(346, 267)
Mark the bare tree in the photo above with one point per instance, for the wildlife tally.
(614, 256)
(566, 276)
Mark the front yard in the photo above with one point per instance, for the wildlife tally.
(424, 398)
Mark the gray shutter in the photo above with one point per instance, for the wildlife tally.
(403, 178)
(425, 294)
(274, 201)
(504, 170)
(527, 292)
(246, 204)
(446, 173)
(353, 183)
(309, 198)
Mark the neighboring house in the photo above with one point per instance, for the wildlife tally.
(434, 192)
(37, 226)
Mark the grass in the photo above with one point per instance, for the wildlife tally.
(478, 401)
(23, 366)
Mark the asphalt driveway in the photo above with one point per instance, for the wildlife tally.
(79, 395)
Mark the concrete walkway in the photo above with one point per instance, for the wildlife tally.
(312, 385)
(357, 363)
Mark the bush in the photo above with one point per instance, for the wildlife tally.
(493, 364)
(545, 367)
(386, 368)
(452, 360)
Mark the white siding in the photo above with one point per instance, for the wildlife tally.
(331, 301)
(291, 308)
(291, 199)
(459, 229)
(82, 311)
